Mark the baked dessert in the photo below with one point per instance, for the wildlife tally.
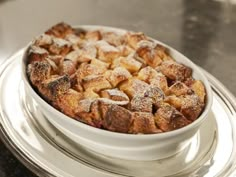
(124, 83)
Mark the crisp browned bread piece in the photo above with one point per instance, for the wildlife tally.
(134, 38)
(107, 52)
(159, 81)
(60, 30)
(88, 69)
(93, 35)
(191, 107)
(44, 41)
(95, 83)
(174, 101)
(55, 86)
(73, 56)
(36, 54)
(74, 40)
(67, 67)
(199, 89)
(117, 75)
(125, 50)
(134, 87)
(179, 88)
(130, 63)
(59, 47)
(90, 93)
(87, 52)
(147, 73)
(100, 64)
(156, 94)
(115, 94)
(117, 119)
(175, 71)
(68, 103)
(39, 71)
(112, 38)
(141, 104)
(88, 112)
(143, 122)
(152, 56)
(168, 118)
(55, 58)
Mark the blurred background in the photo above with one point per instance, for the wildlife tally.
(203, 30)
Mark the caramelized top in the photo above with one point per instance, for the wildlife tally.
(122, 82)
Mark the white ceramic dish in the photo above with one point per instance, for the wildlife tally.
(124, 146)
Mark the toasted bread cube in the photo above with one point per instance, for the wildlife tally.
(174, 101)
(191, 107)
(113, 38)
(55, 86)
(88, 52)
(99, 63)
(134, 38)
(73, 56)
(88, 69)
(60, 47)
(143, 122)
(168, 118)
(88, 112)
(114, 94)
(149, 55)
(39, 71)
(125, 50)
(43, 40)
(89, 93)
(118, 75)
(141, 104)
(60, 30)
(93, 35)
(55, 58)
(117, 119)
(37, 54)
(84, 105)
(95, 82)
(107, 52)
(159, 81)
(134, 87)
(147, 73)
(74, 39)
(175, 71)
(130, 64)
(68, 102)
(53, 65)
(156, 94)
(67, 67)
(115, 63)
(199, 89)
(179, 88)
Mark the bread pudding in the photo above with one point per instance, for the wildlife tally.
(125, 83)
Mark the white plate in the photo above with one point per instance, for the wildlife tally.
(47, 152)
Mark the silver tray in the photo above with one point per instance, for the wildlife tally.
(47, 152)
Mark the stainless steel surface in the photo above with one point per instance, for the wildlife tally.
(48, 153)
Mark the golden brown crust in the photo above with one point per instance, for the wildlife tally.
(143, 122)
(117, 119)
(175, 71)
(60, 30)
(125, 83)
(168, 118)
